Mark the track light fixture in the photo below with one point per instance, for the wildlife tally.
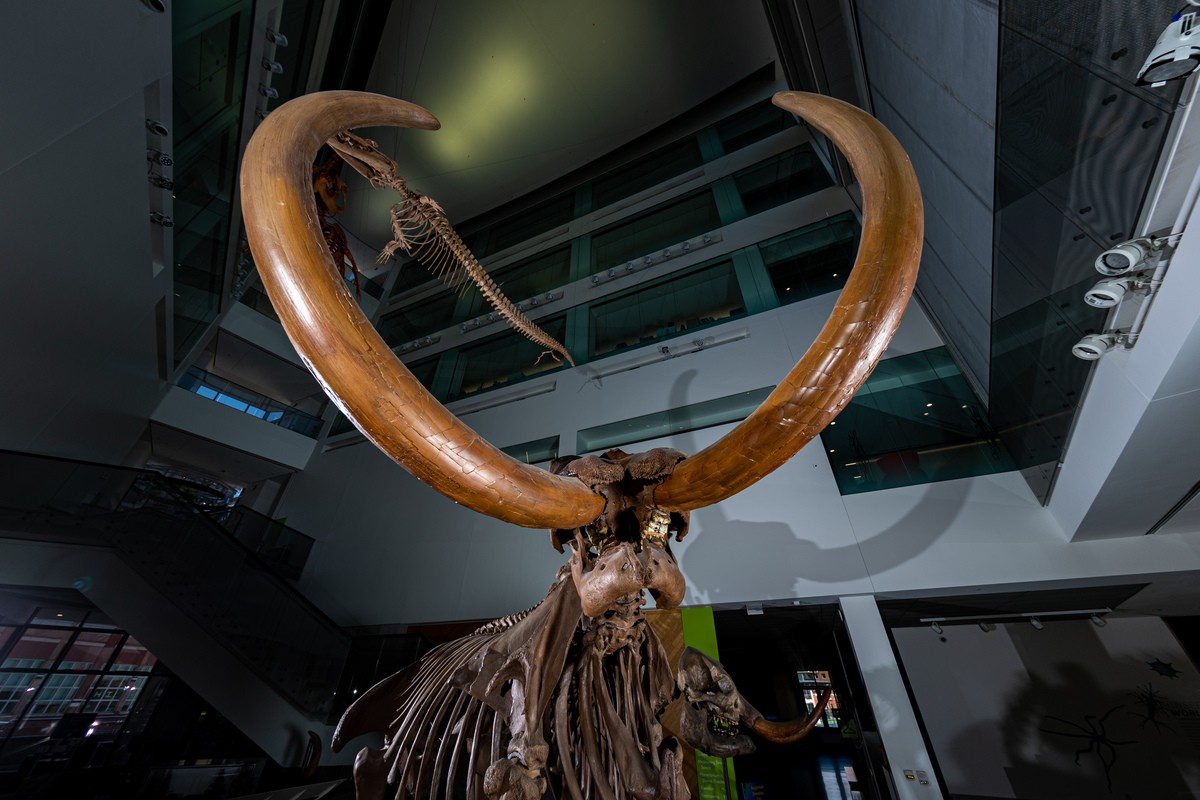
(1130, 256)
(1036, 623)
(936, 628)
(1095, 345)
(160, 158)
(156, 127)
(1176, 54)
(1109, 292)
(269, 92)
(276, 38)
(1099, 621)
(987, 627)
(161, 182)
(272, 66)
(161, 219)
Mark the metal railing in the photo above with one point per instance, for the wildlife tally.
(189, 558)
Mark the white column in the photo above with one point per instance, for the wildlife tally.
(894, 714)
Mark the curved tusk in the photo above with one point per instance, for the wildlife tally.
(794, 730)
(341, 348)
(857, 332)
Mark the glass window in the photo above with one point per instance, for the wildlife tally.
(535, 452)
(505, 359)
(60, 694)
(91, 650)
(784, 177)
(412, 275)
(134, 657)
(813, 260)
(718, 411)
(649, 170)
(531, 277)
(420, 319)
(661, 310)
(68, 617)
(16, 689)
(527, 224)
(115, 694)
(661, 227)
(37, 647)
(755, 123)
(6, 633)
(915, 421)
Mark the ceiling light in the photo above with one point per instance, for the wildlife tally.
(1176, 54)
(936, 627)
(1036, 623)
(1128, 256)
(987, 627)
(1099, 621)
(1095, 345)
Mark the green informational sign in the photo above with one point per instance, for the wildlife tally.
(712, 774)
(849, 729)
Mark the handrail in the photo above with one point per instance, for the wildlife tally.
(190, 558)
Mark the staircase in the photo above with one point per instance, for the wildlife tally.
(218, 615)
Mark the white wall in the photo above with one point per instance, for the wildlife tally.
(1007, 711)
(392, 550)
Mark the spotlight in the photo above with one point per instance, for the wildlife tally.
(276, 38)
(936, 628)
(1095, 345)
(162, 219)
(1109, 293)
(156, 127)
(1099, 621)
(269, 92)
(1036, 623)
(155, 5)
(272, 66)
(987, 627)
(161, 182)
(1126, 257)
(1176, 54)
(161, 158)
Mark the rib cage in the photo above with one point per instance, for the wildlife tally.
(421, 229)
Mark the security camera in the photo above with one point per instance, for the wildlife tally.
(156, 127)
(1094, 345)
(1176, 54)
(1109, 293)
(1127, 256)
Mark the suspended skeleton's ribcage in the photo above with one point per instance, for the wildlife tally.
(421, 229)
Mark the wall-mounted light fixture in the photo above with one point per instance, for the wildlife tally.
(1176, 54)
(161, 219)
(271, 66)
(936, 628)
(276, 38)
(156, 127)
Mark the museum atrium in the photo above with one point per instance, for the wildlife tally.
(989, 556)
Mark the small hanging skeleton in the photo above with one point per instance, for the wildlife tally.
(564, 698)
(421, 229)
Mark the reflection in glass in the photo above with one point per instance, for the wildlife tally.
(526, 225)
(915, 421)
(667, 308)
(530, 278)
(649, 170)
(536, 452)
(420, 319)
(782, 178)
(813, 260)
(91, 650)
(505, 359)
(663, 226)
(1077, 144)
(753, 124)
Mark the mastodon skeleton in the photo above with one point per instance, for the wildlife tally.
(567, 696)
